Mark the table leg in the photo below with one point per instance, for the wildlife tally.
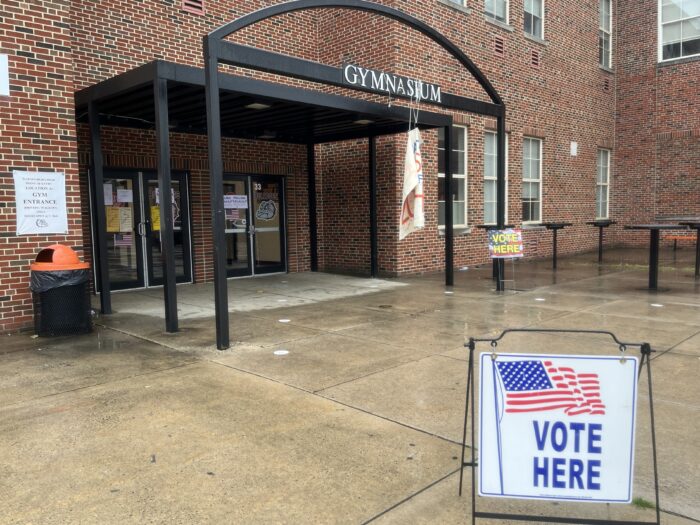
(554, 250)
(697, 254)
(600, 245)
(654, 259)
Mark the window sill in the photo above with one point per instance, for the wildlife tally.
(458, 230)
(676, 61)
(606, 69)
(491, 20)
(455, 6)
(535, 39)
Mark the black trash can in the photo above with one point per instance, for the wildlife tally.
(61, 292)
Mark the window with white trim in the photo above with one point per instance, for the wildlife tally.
(532, 180)
(459, 177)
(679, 26)
(602, 189)
(491, 179)
(604, 32)
(534, 17)
(497, 9)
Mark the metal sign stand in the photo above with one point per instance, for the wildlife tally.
(502, 275)
(645, 350)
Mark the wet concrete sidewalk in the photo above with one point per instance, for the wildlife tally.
(360, 420)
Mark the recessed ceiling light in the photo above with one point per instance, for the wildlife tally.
(257, 105)
(281, 352)
(364, 121)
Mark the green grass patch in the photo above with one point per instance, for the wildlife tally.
(642, 503)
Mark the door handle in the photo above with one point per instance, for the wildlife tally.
(251, 230)
(141, 229)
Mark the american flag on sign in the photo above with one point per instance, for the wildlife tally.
(535, 386)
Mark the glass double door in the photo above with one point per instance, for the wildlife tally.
(255, 241)
(132, 209)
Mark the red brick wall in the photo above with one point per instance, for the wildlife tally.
(644, 112)
(37, 133)
(657, 166)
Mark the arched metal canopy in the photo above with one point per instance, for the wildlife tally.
(359, 5)
(217, 50)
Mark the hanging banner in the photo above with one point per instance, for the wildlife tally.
(40, 198)
(412, 217)
(505, 244)
(557, 427)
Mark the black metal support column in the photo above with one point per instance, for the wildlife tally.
(97, 172)
(313, 223)
(554, 249)
(600, 244)
(697, 254)
(167, 240)
(449, 219)
(654, 259)
(501, 188)
(216, 175)
(373, 229)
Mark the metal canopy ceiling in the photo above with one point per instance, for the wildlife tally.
(279, 113)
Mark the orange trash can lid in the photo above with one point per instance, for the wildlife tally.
(58, 257)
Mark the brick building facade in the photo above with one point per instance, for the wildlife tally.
(642, 111)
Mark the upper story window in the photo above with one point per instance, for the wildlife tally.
(680, 28)
(602, 184)
(490, 177)
(459, 177)
(534, 15)
(604, 33)
(497, 9)
(532, 180)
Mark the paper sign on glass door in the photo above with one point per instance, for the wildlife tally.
(235, 202)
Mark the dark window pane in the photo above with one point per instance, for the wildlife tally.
(691, 47)
(671, 50)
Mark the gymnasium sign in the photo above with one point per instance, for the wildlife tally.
(505, 244)
(557, 427)
(390, 84)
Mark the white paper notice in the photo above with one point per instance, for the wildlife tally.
(41, 202)
(109, 198)
(4, 76)
(125, 196)
(236, 202)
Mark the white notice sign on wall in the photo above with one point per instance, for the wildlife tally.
(41, 202)
(4, 76)
(557, 427)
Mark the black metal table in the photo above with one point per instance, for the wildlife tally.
(601, 224)
(653, 247)
(695, 225)
(488, 228)
(555, 227)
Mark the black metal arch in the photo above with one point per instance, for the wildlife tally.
(360, 5)
(217, 50)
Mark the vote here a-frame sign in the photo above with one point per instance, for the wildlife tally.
(555, 427)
